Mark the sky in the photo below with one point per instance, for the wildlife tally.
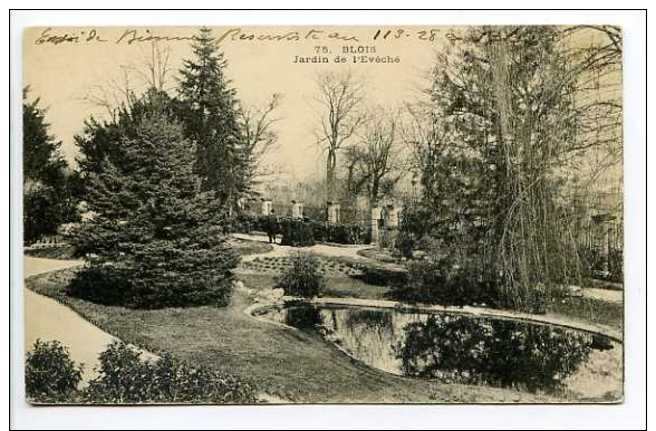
(63, 65)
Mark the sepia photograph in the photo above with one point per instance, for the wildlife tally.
(393, 214)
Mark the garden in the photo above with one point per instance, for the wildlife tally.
(484, 288)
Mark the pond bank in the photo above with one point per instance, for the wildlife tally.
(546, 319)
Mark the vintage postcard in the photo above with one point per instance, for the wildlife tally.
(284, 214)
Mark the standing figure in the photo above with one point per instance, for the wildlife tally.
(272, 226)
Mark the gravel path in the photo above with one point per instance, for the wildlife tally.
(47, 319)
(614, 296)
(329, 250)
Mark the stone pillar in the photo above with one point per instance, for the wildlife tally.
(297, 209)
(242, 204)
(267, 206)
(252, 206)
(391, 223)
(375, 220)
(333, 213)
(392, 217)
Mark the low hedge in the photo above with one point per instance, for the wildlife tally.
(306, 231)
(300, 231)
(297, 233)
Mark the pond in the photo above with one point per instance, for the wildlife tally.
(466, 349)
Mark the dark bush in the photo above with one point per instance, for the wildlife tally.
(406, 243)
(319, 230)
(302, 278)
(352, 233)
(159, 278)
(125, 378)
(382, 276)
(103, 285)
(305, 232)
(616, 266)
(50, 374)
(445, 283)
(54, 251)
(297, 233)
(602, 265)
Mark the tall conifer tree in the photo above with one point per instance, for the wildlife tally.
(209, 113)
(157, 235)
(48, 201)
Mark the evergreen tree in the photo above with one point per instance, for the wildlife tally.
(101, 141)
(210, 116)
(48, 201)
(156, 234)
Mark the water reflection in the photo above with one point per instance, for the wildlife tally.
(451, 348)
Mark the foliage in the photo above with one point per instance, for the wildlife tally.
(415, 224)
(616, 265)
(154, 231)
(246, 223)
(604, 265)
(100, 143)
(296, 233)
(306, 232)
(103, 284)
(53, 251)
(302, 278)
(492, 351)
(125, 378)
(499, 124)
(50, 374)
(209, 114)
(382, 276)
(348, 233)
(446, 283)
(48, 185)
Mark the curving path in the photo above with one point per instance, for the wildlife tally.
(47, 319)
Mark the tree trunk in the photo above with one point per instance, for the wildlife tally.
(331, 175)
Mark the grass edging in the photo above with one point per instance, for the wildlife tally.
(492, 313)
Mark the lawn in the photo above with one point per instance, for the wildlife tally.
(589, 310)
(286, 363)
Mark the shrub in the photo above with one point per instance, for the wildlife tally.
(406, 243)
(159, 276)
(125, 378)
(348, 233)
(319, 230)
(302, 278)
(445, 283)
(306, 232)
(103, 285)
(381, 276)
(297, 233)
(616, 266)
(50, 374)
(244, 223)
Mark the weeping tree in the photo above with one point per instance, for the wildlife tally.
(493, 172)
(535, 127)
